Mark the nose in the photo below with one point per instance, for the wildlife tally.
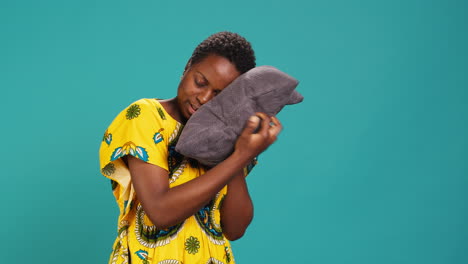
(205, 95)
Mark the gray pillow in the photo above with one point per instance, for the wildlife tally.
(211, 132)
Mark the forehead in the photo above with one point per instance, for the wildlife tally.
(217, 70)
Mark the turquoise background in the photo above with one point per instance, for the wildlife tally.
(371, 168)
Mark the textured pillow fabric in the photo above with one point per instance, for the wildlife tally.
(211, 132)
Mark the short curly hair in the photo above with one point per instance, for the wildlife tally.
(229, 45)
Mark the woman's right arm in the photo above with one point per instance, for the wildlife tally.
(166, 206)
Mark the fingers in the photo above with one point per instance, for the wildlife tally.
(276, 122)
(265, 123)
(275, 128)
(259, 133)
(252, 124)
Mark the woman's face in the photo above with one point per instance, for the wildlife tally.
(203, 81)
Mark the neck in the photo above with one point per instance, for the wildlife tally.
(172, 108)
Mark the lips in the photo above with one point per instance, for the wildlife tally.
(192, 109)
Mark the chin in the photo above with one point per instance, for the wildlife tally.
(186, 116)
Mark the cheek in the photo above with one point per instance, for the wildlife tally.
(189, 90)
(185, 87)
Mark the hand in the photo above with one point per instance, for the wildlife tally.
(250, 143)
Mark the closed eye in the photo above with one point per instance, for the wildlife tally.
(200, 80)
(199, 83)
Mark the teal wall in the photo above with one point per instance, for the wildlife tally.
(371, 168)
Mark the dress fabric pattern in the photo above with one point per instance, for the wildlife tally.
(146, 131)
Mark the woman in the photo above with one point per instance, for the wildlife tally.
(173, 210)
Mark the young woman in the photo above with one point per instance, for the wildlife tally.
(173, 210)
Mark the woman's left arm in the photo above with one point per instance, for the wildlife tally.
(237, 208)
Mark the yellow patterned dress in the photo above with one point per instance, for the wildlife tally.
(146, 131)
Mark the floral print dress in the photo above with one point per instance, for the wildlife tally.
(146, 131)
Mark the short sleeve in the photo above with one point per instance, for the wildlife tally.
(138, 131)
